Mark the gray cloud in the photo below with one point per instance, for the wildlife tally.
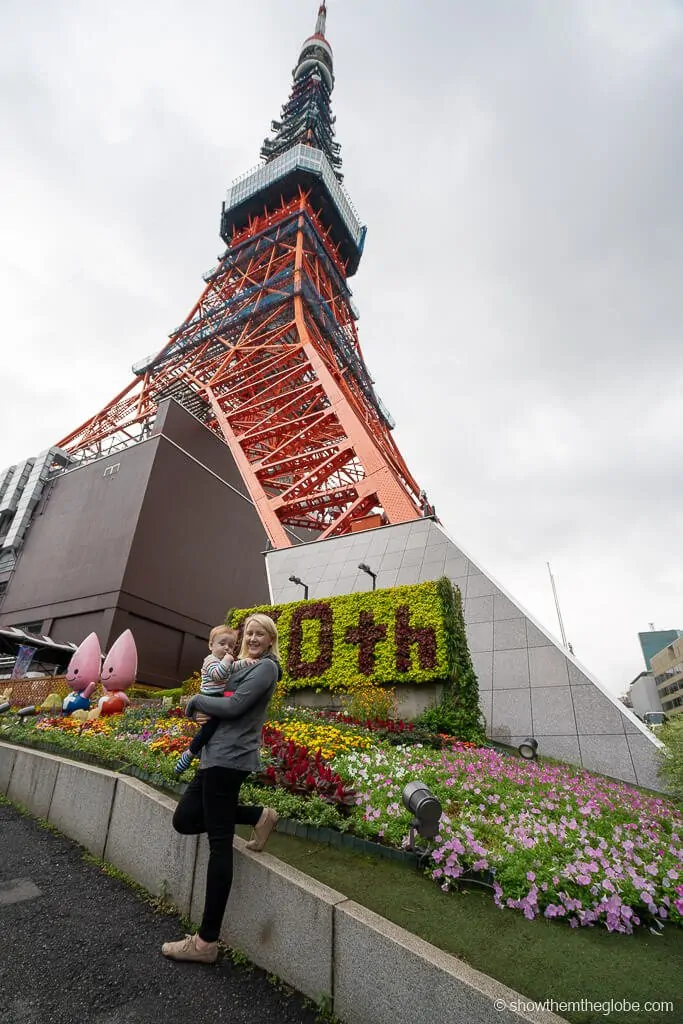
(518, 167)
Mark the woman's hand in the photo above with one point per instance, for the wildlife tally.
(201, 718)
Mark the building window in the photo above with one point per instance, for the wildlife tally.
(30, 627)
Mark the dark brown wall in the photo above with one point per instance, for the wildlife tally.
(166, 656)
(174, 422)
(198, 545)
(75, 628)
(78, 543)
(164, 546)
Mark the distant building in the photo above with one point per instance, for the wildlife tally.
(654, 641)
(644, 695)
(667, 668)
(21, 489)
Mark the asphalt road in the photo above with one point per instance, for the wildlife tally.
(79, 947)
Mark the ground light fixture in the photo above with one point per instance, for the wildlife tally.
(300, 583)
(366, 569)
(426, 811)
(5, 706)
(528, 748)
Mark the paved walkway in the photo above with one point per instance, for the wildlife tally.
(78, 947)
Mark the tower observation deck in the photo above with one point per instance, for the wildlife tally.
(269, 357)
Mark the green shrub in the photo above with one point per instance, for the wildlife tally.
(672, 766)
(308, 810)
(458, 714)
(366, 701)
(191, 685)
(154, 693)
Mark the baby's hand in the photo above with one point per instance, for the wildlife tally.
(228, 658)
(251, 661)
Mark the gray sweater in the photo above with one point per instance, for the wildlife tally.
(237, 740)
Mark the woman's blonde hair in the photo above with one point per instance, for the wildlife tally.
(269, 626)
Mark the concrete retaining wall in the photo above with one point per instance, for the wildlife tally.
(81, 803)
(141, 842)
(312, 937)
(282, 919)
(32, 781)
(7, 758)
(384, 974)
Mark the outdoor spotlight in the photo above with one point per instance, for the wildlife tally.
(295, 579)
(4, 707)
(528, 749)
(426, 811)
(366, 568)
(25, 712)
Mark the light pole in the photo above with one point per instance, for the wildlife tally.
(295, 579)
(366, 568)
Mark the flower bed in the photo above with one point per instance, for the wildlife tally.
(559, 842)
(556, 841)
(326, 739)
(302, 771)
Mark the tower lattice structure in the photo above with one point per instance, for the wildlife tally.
(269, 357)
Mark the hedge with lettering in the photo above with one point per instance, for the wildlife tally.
(396, 635)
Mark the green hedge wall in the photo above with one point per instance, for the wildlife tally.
(386, 636)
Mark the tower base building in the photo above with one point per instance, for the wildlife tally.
(159, 538)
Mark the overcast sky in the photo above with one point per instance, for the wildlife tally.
(519, 167)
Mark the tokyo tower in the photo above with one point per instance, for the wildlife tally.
(269, 357)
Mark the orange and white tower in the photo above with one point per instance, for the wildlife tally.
(269, 357)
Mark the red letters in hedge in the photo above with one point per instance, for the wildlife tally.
(367, 634)
(296, 666)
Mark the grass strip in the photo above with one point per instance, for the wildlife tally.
(541, 959)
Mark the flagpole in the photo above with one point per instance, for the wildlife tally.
(557, 605)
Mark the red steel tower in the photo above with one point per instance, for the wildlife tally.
(269, 357)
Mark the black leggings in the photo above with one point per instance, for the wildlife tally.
(211, 804)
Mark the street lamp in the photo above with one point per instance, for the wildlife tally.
(426, 811)
(295, 579)
(528, 748)
(366, 568)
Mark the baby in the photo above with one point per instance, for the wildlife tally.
(216, 671)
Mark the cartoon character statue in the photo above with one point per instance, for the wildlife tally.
(118, 673)
(82, 674)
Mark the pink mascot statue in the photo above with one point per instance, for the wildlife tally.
(118, 673)
(82, 675)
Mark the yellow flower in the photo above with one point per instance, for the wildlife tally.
(325, 738)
